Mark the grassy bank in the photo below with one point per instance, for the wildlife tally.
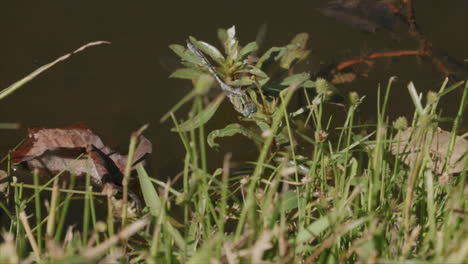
(317, 192)
(347, 201)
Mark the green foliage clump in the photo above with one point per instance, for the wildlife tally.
(316, 193)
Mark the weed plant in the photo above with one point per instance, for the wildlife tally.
(318, 192)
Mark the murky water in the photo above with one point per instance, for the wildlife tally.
(117, 88)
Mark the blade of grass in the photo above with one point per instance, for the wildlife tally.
(38, 209)
(64, 211)
(249, 206)
(86, 206)
(53, 210)
(29, 234)
(128, 170)
(12, 88)
(154, 203)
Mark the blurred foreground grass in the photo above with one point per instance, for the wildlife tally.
(378, 197)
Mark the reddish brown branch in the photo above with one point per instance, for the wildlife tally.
(415, 31)
(377, 55)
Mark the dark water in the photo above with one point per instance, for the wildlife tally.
(117, 88)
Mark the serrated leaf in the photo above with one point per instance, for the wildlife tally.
(296, 79)
(202, 117)
(247, 49)
(185, 54)
(229, 131)
(186, 73)
(206, 48)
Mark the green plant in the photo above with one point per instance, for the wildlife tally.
(318, 192)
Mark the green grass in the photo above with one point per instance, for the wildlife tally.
(357, 202)
(342, 197)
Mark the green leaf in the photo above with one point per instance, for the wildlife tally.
(273, 54)
(222, 36)
(185, 54)
(186, 73)
(206, 48)
(296, 51)
(153, 201)
(280, 136)
(208, 251)
(229, 131)
(5, 125)
(309, 84)
(150, 195)
(247, 49)
(202, 117)
(242, 82)
(203, 84)
(257, 72)
(288, 202)
(231, 44)
(317, 227)
(70, 260)
(296, 79)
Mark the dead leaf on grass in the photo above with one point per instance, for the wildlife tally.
(440, 143)
(57, 149)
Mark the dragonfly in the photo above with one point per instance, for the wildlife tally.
(240, 100)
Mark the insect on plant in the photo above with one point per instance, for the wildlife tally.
(238, 97)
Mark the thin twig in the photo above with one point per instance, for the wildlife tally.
(12, 88)
(397, 53)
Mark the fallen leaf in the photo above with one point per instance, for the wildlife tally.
(58, 149)
(438, 150)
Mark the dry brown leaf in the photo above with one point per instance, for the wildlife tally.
(57, 149)
(438, 149)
